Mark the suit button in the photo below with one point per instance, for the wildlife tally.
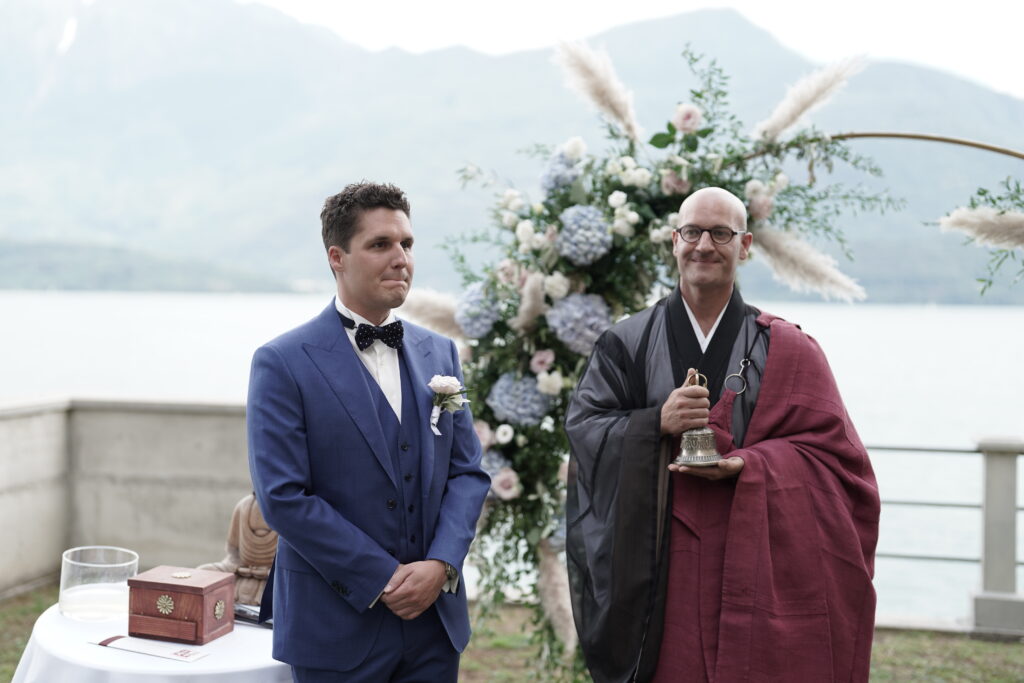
(391, 504)
(391, 552)
(405, 446)
(408, 477)
(412, 508)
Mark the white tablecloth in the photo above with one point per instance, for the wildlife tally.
(60, 651)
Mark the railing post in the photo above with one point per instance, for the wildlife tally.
(999, 608)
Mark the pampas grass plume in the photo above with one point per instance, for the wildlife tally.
(987, 226)
(809, 92)
(434, 310)
(591, 74)
(803, 268)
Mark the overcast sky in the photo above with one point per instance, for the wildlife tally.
(980, 39)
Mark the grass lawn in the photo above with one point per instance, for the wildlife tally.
(501, 653)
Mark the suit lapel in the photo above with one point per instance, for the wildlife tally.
(340, 367)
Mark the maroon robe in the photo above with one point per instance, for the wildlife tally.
(770, 573)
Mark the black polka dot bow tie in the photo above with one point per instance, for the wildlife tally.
(366, 334)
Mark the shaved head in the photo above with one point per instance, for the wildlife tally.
(715, 195)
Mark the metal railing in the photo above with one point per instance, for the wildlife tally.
(998, 608)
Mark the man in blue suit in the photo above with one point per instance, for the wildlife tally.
(375, 501)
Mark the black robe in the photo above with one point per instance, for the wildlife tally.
(618, 491)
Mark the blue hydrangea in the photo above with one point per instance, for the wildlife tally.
(578, 320)
(477, 311)
(584, 237)
(561, 172)
(517, 401)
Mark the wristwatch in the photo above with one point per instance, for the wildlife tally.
(450, 572)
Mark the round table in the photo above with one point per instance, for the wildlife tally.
(62, 649)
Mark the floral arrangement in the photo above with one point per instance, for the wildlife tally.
(594, 246)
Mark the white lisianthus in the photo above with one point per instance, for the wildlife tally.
(538, 208)
(574, 148)
(503, 434)
(627, 162)
(539, 241)
(754, 188)
(524, 231)
(617, 199)
(638, 176)
(549, 383)
(613, 167)
(622, 226)
(633, 217)
(509, 219)
(547, 424)
(556, 286)
(661, 234)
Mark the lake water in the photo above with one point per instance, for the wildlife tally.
(911, 375)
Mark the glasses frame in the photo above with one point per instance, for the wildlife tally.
(732, 233)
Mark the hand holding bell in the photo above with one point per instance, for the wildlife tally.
(697, 446)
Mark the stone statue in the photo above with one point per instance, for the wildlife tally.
(251, 546)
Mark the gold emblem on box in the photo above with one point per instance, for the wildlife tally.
(218, 609)
(181, 575)
(165, 604)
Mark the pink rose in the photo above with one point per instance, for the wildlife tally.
(671, 183)
(507, 271)
(484, 433)
(761, 206)
(505, 484)
(687, 118)
(541, 361)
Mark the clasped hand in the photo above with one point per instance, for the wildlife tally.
(414, 587)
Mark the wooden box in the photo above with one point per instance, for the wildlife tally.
(185, 605)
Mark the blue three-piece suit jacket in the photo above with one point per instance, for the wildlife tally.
(351, 491)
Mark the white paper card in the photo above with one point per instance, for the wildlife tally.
(181, 653)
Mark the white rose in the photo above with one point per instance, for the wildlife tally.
(574, 148)
(524, 248)
(627, 162)
(547, 424)
(617, 199)
(521, 440)
(633, 217)
(538, 208)
(503, 434)
(516, 204)
(524, 231)
(505, 484)
(613, 167)
(642, 177)
(662, 234)
(539, 241)
(509, 219)
(687, 118)
(444, 384)
(508, 197)
(556, 286)
(672, 220)
(549, 383)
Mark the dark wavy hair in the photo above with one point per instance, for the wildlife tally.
(341, 212)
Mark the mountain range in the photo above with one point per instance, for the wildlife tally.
(198, 139)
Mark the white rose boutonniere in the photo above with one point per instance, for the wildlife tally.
(447, 396)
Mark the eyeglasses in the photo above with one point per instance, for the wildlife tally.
(718, 235)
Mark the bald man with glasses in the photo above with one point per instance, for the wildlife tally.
(757, 567)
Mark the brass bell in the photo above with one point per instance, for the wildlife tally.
(697, 446)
